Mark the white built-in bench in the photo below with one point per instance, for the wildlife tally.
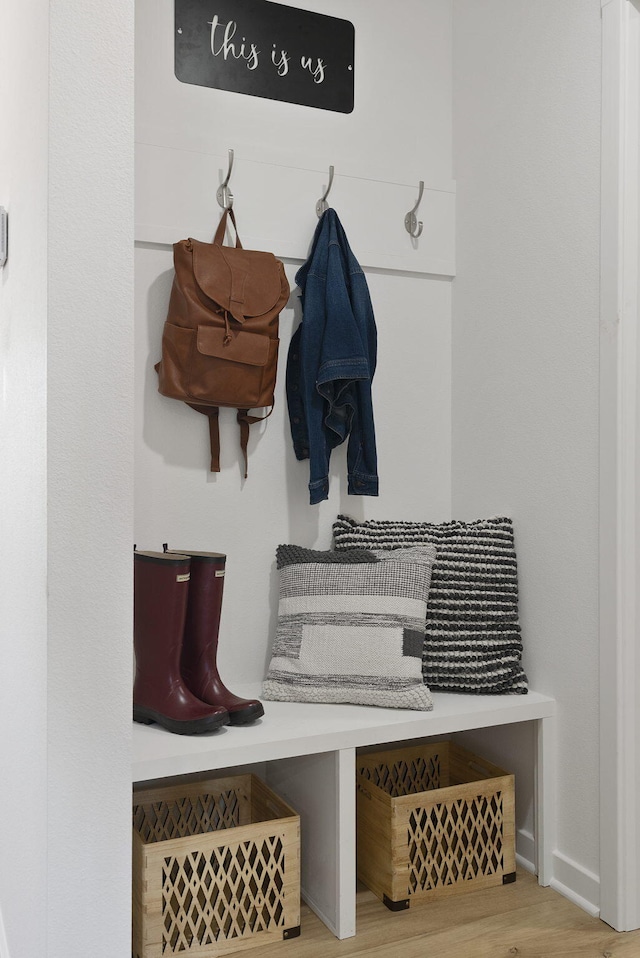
(309, 755)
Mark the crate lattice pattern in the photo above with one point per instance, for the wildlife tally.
(456, 841)
(406, 777)
(161, 821)
(235, 890)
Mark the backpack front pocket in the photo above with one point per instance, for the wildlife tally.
(235, 368)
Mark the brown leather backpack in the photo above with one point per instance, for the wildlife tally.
(220, 338)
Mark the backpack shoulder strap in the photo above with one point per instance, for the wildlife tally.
(212, 413)
(245, 420)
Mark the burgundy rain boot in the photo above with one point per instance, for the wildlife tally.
(200, 648)
(160, 590)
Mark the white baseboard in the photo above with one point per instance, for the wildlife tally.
(526, 850)
(576, 883)
(570, 880)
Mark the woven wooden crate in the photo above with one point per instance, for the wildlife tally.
(216, 868)
(433, 820)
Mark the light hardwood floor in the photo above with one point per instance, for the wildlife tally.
(522, 920)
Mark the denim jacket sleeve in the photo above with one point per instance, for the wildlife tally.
(348, 363)
(330, 365)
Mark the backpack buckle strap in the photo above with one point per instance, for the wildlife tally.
(238, 282)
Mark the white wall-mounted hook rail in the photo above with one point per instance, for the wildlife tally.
(322, 206)
(224, 195)
(411, 223)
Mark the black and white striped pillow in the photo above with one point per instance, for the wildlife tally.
(473, 641)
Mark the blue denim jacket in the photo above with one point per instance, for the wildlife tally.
(331, 362)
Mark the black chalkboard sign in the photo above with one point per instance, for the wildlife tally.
(266, 49)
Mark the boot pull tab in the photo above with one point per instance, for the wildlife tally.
(165, 546)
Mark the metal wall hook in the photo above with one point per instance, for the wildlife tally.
(224, 195)
(322, 206)
(411, 223)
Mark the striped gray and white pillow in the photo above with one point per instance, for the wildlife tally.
(473, 641)
(351, 627)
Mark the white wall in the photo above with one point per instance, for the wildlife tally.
(66, 478)
(23, 374)
(90, 467)
(524, 428)
(176, 499)
(525, 353)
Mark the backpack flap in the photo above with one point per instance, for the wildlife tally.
(244, 282)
